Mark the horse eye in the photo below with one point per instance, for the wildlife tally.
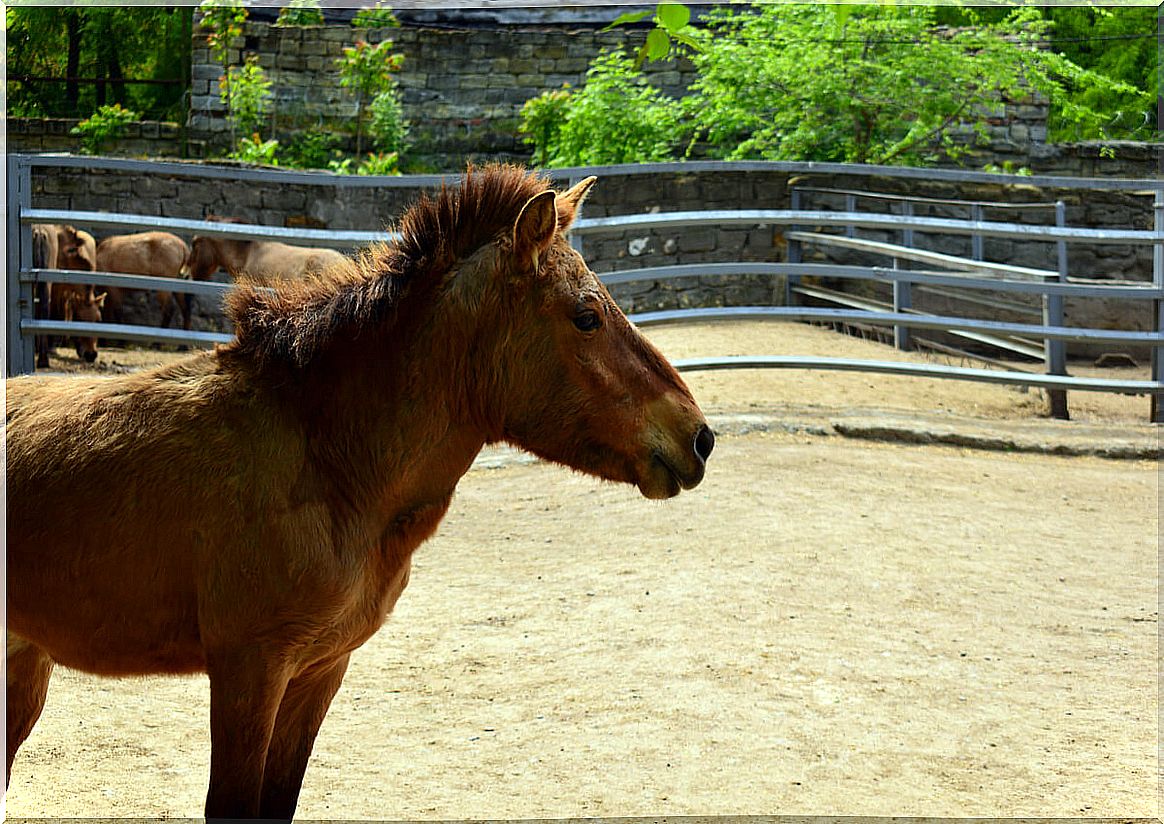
(587, 321)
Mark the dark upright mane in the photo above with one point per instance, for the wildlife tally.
(301, 318)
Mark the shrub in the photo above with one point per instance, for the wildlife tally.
(377, 17)
(300, 13)
(311, 150)
(107, 123)
(384, 163)
(254, 149)
(617, 117)
(386, 125)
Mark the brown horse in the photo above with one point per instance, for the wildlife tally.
(265, 260)
(57, 246)
(251, 512)
(160, 254)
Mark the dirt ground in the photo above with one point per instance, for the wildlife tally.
(825, 625)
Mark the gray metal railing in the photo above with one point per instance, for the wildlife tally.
(971, 273)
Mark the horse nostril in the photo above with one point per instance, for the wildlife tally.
(704, 442)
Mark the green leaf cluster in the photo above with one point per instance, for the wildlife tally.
(366, 70)
(377, 17)
(617, 117)
(300, 13)
(672, 26)
(246, 91)
(107, 123)
(850, 83)
(223, 21)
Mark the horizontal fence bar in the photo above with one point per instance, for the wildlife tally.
(245, 172)
(924, 370)
(895, 319)
(993, 204)
(122, 331)
(111, 220)
(941, 259)
(1119, 289)
(202, 288)
(749, 217)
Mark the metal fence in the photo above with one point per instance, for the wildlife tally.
(835, 229)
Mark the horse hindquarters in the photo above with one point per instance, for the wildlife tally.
(28, 671)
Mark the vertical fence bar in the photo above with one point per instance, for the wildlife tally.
(850, 206)
(902, 289)
(21, 355)
(1157, 408)
(976, 239)
(1055, 351)
(793, 256)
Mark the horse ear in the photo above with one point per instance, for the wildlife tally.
(100, 300)
(570, 200)
(534, 228)
(577, 193)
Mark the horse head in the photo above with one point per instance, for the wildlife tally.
(575, 381)
(84, 305)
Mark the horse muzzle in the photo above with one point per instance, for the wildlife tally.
(670, 471)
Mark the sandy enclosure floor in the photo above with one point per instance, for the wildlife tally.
(824, 626)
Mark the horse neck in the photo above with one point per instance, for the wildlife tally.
(391, 411)
(233, 253)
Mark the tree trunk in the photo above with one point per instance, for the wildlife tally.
(73, 66)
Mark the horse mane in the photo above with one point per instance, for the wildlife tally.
(292, 322)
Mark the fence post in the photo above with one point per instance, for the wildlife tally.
(793, 255)
(21, 358)
(1055, 351)
(976, 239)
(1157, 408)
(902, 289)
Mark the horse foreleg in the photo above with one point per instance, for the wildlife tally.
(246, 687)
(300, 715)
(28, 671)
(166, 302)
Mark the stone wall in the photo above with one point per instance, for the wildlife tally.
(145, 138)
(320, 201)
(462, 89)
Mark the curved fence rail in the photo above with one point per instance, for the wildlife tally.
(973, 273)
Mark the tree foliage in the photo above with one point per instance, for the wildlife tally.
(366, 71)
(864, 84)
(617, 117)
(105, 43)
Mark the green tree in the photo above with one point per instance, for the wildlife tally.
(246, 91)
(48, 48)
(864, 84)
(366, 71)
(1119, 43)
(870, 84)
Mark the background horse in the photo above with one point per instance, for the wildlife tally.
(160, 254)
(257, 259)
(56, 246)
(251, 512)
